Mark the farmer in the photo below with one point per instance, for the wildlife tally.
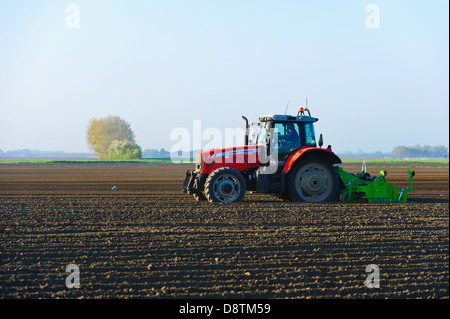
(291, 137)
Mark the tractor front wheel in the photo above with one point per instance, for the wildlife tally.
(312, 180)
(225, 185)
(199, 197)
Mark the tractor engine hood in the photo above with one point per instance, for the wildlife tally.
(239, 158)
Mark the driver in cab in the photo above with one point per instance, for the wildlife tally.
(291, 137)
(290, 140)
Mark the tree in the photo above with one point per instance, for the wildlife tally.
(440, 151)
(164, 153)
(102, 132)
(399, 151)
(153, 153)
(124, 150)
(94, 135)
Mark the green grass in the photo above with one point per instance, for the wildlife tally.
(83, 161)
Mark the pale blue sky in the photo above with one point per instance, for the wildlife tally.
(162, 64)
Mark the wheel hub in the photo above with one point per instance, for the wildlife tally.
(312, 182)
(226, 188)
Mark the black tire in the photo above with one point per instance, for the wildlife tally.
(199, 197)
(312, 179)
(225, 185)
(285, 197)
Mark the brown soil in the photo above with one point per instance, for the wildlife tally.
(147, 239)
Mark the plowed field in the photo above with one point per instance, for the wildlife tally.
(146, 239)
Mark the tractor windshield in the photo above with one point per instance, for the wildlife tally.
(290, 135)
(287, 136)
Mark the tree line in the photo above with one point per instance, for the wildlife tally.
(154, 153)
(418, 151)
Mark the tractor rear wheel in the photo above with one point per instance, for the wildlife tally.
(312, 179)
(225, 185)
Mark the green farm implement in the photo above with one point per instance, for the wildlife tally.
(362, 187)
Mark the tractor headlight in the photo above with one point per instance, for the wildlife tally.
(198, 162)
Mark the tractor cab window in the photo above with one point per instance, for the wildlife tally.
(287, 135)
(310, 138)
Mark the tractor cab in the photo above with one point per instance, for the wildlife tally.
(282, 135)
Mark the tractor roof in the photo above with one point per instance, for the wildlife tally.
(292, 118)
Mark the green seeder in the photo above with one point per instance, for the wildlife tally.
(361, 187)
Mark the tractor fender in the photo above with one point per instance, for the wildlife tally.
(325, 153)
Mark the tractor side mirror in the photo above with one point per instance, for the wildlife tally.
(320, 140)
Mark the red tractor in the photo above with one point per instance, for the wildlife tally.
(285, 162)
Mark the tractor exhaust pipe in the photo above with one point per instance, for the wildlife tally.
(246, 132)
